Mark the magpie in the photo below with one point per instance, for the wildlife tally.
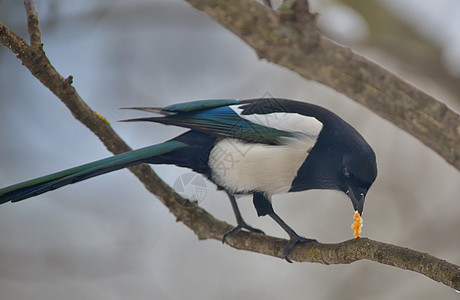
(258, 147)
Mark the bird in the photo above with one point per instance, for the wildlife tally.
(259, 147)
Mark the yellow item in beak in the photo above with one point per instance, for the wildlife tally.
(357, 225)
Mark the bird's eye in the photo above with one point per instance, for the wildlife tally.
(346, 172)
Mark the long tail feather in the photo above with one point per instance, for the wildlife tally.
(155, 110)
(53, 181)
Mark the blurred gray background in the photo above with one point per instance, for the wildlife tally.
(108, 238)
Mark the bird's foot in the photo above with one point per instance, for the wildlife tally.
(238, 228)
(295, 239)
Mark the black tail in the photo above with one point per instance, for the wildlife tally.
(53, 181)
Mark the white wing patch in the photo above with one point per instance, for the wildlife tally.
(290, 122)
(242, 167)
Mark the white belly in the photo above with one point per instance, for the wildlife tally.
(242, 167)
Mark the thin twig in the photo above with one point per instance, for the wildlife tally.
(268, 3)
(33, 25)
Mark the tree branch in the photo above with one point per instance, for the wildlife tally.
(32, 22)
(397, 37)
(203, 224)
(289, 38)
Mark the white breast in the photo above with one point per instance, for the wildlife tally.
(242, 167)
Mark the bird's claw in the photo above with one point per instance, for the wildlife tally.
(240, 227)
(295, 239)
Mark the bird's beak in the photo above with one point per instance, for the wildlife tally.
(357, 199)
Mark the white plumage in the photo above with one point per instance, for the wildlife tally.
(289, 122)
(242, 167)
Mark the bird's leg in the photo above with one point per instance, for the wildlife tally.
(264, 207)
(239, 220)
(294, 237)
